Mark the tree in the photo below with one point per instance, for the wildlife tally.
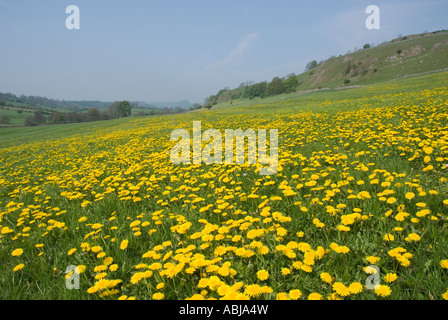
(276, 86)
(93, 114)
(105, 116)
(5, 120)
(114, 110)
(29, 121)
(125, 108)
(311, 65)
(39, 118)
(120, 109)
(259, 89)
(56, 117)
(291, 83)
(210, 102)
(73, 117)
(366, 46)
(178, 109)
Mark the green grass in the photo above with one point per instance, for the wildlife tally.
(15, 117)
(119, 176)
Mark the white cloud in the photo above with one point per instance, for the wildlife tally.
(236, 54)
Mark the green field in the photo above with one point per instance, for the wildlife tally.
(361, 182)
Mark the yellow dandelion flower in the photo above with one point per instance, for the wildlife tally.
(252, 290)
(263, 250)
(196, 296)
(444, 263)
(203, 283)
(388, 237)
(100, 268)
(101, 275)
(262, 275)
(17, 252)
(428, 150)
(6, 230)
(355, 288)
(124, 244)
(107, 261)
(373, 259)
(315, 296)
(80, 269)
(96, 249)
(391, 200)
(341, 289)
(410, 195)
(295, 294)
(18, 267)
(343, 249)
(383, 291)
(286, 271)
(102, 284)
(326, 277)
(158, 296)
(113, 267)
(266, 290)
(282, 296)
(92, 290)
(101, 255)
(370, 270)
(136, 277)
(390, 277)
(414, 237)
(445, 295)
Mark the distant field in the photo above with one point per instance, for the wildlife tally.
(15, 117)
(361, 184)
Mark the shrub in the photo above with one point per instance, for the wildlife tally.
(5, 120)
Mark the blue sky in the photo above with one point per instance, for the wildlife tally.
(145, 50)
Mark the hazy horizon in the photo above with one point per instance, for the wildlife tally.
(156, 51)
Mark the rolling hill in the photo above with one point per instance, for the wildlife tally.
(398, 58)
(401, 57)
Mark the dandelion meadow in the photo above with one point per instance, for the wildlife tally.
(361, 182)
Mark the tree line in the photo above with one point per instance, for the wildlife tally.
(252, 90)
(52, 103)
(116, 110)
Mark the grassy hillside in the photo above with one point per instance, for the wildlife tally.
(402, 57)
